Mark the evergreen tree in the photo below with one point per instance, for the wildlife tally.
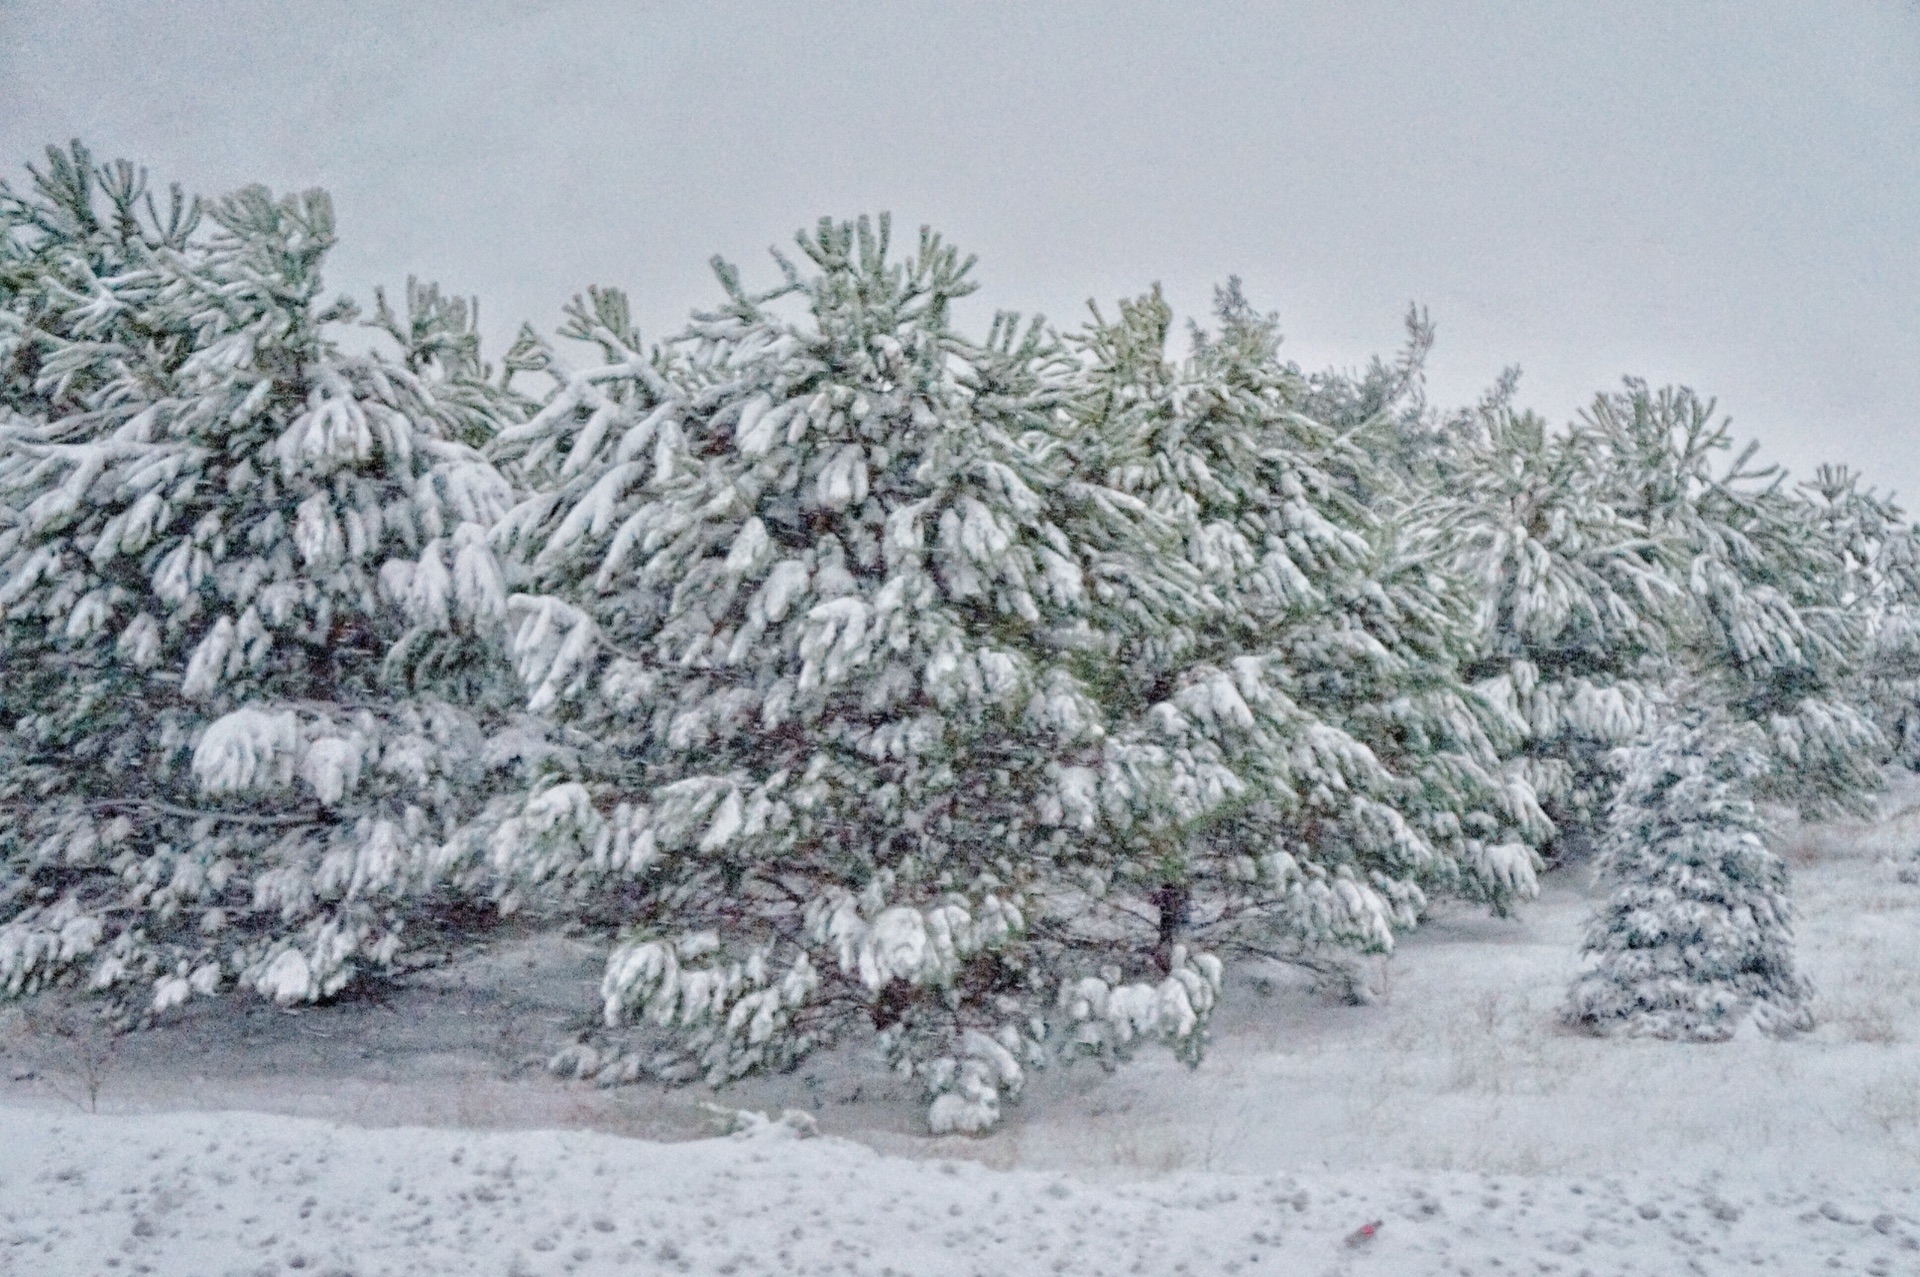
(1617, 559)
(1698, 934)
(1577, 606)
(800, 573)
(1880, 573)
(248, 611)
(1327, 679)
(1772, 631)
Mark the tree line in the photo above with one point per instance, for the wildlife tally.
(990, 694)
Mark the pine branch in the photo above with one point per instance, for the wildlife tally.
(193, 813)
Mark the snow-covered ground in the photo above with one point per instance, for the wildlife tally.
(404, 1133)
(218, 1193)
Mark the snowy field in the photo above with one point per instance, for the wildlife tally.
(410, 1134)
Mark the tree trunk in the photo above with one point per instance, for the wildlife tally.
(1172, 900)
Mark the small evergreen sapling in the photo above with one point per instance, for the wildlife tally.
(1697, 936)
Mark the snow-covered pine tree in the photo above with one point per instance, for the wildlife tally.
(1326, 682)
(248, 610)
(798, 571)
(1892, 665)
(1407, 438)
(1697, 937)
(1577, 603)
(1880, 556)
(1772, 630)
(1617, 558)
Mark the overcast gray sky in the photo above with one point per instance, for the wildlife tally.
(1725, 195)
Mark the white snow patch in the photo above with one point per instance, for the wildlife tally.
(193, 1193)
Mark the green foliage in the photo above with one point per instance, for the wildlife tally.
(1698, 935)
(804, 575)
(848, 672)
(247, 607)
(1616, 558)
